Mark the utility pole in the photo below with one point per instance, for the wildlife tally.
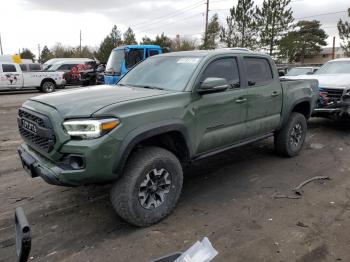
(80, 43)
(333, 50)
(39, 52)
(206, 22)
(1, 46)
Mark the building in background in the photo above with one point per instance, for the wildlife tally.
(325, 55)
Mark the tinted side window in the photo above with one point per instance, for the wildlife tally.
(258, 71)
(66, 67)
(8, 68)
(153, 52)
(23, 67)
(223, 68)
(134, 57)
(34, 67)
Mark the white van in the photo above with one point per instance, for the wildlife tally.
(49, 63)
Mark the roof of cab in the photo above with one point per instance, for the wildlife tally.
(138, 46)
(213, 52)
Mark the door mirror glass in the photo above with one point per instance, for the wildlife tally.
(213, 85)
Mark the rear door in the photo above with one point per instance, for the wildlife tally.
(220, 117)
(11, 76)
(264, 96)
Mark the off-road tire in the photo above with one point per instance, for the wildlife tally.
(124, 193)
(48, 86)
(283, 144)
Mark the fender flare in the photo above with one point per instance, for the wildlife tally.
(141, 133)
(290, 110)
(48, 79)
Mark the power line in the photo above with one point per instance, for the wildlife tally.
(170, 15)
(331, 13)
(169, 23)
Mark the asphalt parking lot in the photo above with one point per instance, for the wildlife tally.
(227, 198)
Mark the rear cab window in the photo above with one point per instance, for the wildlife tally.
(226, 68)
(7, 68)
(34, 67)
(258, 71)
(23, 67)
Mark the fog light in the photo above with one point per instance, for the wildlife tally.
(77, 162)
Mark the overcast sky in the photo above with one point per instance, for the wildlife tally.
(27, 23)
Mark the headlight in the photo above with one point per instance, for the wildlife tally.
(90, 128)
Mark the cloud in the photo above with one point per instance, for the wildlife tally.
(46, 22)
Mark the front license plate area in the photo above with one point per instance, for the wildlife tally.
(29, 126)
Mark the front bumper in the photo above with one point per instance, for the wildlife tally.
(99, 160)
(36, 165)
(340, 109)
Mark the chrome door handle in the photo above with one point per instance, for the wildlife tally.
(241, 100)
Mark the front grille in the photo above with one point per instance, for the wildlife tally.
(34, 118)
(332, 94)
(44, 138)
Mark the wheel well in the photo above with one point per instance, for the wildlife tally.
(47, 80)
(173, 141)
(303, 108)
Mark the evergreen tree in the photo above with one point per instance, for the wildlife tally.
(241, 26)
(305, 42)
(116, 37)
(344, 34)
(213, 33)
(129, 37)
(147, 41)
(273, 20)
(45, 54)
(27, 54)
(288, 48)
(163, 41)
(105, 49)
(111, 41)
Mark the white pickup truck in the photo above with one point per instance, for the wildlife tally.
(334, 88)
(12, 77)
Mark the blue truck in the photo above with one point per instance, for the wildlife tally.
(123, 58)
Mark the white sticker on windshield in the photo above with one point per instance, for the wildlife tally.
(188, 60)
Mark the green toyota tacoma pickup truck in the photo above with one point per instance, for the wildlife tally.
(168, 111)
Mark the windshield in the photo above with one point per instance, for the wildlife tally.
(163, 72)
(298, 71)
(115, 61)
(336, 67)
(53, 67)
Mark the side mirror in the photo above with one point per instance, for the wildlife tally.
(281, 73)
(23, 236)
(213, 85)
(309, 73)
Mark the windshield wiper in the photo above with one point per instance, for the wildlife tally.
(153, 87)
(149, 87)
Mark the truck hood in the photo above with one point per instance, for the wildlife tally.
(83, 102)
(327, 80)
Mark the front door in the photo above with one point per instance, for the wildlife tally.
(264, 97)
(220, 117)
(10, 76)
